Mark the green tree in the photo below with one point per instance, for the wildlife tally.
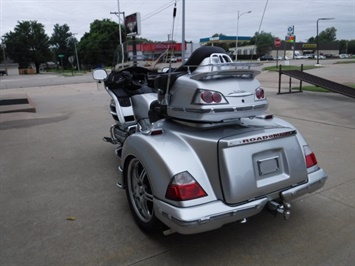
(263, 41)
(100, 44)
(28, 44)
(311, 40)
(351, 47)
(61, 42)
(143, 40)
(218, 34)
(343, 45)
(223, 45)
(328, 35)
(2, 48)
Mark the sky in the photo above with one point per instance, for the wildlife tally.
(203, 18)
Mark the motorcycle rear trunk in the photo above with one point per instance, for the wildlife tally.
(247, 162)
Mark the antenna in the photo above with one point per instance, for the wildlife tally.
(261, 22)
(166, 97)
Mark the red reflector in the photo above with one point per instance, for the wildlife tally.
(156, 132)
(185, 192)
(311, 160)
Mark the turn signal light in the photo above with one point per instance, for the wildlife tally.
(310, 157)
(184, 187)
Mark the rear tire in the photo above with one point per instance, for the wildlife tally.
(140, 196)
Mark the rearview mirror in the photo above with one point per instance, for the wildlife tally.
(99, 74)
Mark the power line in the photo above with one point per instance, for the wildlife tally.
(157, 11)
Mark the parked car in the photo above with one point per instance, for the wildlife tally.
(320, 56)
(137, 58)
(308, 56)
(283, 58)
(171, 59)
(298, 56)
(266, 58)
(47, 66)
(343, 56)
(3, 72)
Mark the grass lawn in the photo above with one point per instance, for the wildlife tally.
(290, 67)
(75, 73)
(350, 61)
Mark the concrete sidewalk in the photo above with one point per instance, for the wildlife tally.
(59, 204)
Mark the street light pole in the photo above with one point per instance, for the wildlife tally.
(237, 37)
(318, 38)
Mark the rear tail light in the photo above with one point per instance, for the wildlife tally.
(208, 97)
(184, 187)
(311, 159)
(259, 93)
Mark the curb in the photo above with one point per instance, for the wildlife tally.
(13, 103)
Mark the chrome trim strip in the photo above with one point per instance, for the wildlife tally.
(260, 138)
(216, 110)
(316, 180)
(120, 178)
(237, 73)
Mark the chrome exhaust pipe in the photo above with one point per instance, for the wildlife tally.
(243, 221)
(168, 232)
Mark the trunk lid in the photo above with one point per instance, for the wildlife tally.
(255, 165)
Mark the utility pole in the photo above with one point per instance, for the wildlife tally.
(4, 55)
(76, 52)
(118, 14)
(183, 33)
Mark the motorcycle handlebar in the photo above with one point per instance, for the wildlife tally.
(132, 83)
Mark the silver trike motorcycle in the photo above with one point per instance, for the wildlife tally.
(197, 149)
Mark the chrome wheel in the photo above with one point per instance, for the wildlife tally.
(139, 193)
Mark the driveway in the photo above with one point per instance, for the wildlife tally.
(59, 204)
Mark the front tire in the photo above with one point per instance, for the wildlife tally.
(140, 196)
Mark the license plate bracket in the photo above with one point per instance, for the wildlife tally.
(268, 166)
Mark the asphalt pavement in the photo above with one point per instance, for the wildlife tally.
(59, 204)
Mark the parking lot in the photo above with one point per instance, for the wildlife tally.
(59, 204)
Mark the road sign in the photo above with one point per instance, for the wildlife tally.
(290, 30)
(277, 42)
(60, 55)
(291, 38)
(71, 59)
